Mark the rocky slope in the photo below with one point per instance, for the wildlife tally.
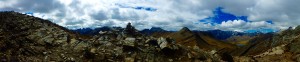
(240, 40)
(197, 39)
(27, 38)
(279, 47)
(188, 38)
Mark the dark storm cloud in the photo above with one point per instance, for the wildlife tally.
(122, 17)
(99, 16)
(74, 22)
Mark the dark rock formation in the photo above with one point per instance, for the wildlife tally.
(131, 31)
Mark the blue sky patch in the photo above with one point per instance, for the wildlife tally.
(271, 22)
(262, 30)
(137, 7)
(220, 16)
(29, 13)
(146, 8)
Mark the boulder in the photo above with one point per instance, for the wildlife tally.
(162, 42)
(119, 37)
(129, 41)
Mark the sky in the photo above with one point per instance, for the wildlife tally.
(228, 15)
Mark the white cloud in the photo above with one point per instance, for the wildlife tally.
(233, 23)
(284, 13)
(170, 14)
(241, 25)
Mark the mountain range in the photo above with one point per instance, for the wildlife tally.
(218, 34)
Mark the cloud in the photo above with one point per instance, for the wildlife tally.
(283, 13)
(238, 15)
(233, 23)
(241, 25)
(100, 15)
(43, 6)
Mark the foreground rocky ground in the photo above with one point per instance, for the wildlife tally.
(25, 38)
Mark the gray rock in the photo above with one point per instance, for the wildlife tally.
(129, 41)
(119, 37)
(162, 42)
(48, 40)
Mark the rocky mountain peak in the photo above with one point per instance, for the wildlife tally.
(185, 29)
